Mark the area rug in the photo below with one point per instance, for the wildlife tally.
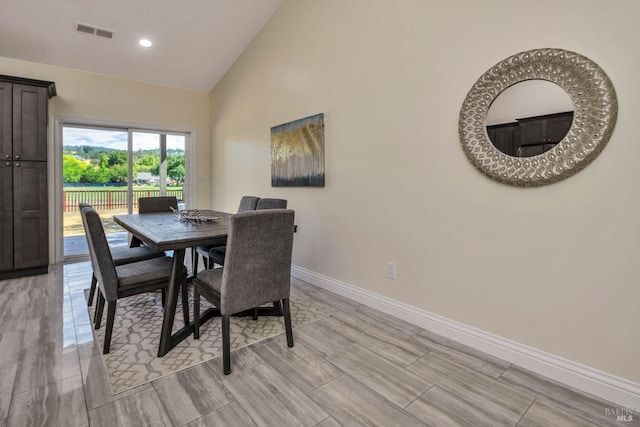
(133, 361)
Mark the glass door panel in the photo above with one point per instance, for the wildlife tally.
(158, 161)
(176, 167)
(95, 171)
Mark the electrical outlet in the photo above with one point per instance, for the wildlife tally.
(391, 270)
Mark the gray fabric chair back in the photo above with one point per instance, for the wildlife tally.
(157, 204)
(272, 204)
(257, 268)
(101, 259)
(82, 207)
(248, 203)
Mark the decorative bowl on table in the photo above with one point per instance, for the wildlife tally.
(194, 215)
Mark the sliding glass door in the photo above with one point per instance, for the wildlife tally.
(158, 166)
(110, 169)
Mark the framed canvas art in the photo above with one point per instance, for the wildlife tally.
(297, 153)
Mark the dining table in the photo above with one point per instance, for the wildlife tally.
(173, 231)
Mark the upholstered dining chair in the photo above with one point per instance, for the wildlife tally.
(247, 203)
(120, 256)
(217, 253)
(116, 282)
(257, 271)
(267, 203)
(157, 204)
(154, 205)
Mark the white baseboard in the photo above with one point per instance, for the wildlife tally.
(598, 383)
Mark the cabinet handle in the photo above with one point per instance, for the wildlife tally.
(17, 165)
(17, 157)
(8, 164)
(7, 156)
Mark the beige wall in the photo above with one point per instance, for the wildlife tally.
(103, 98)
(556, 268)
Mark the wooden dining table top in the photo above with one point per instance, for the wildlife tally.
(167, 231)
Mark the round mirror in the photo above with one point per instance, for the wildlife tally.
(529, 118)
(595, 110)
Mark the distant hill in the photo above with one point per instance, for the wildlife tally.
(89, 152)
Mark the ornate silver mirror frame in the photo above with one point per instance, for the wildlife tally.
(595, 113)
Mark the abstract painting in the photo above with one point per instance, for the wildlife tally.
(297, 153)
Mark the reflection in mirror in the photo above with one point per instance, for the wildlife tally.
(529, 118)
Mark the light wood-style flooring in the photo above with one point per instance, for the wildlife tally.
(357, 367)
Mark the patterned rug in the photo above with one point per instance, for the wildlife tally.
(133, 360)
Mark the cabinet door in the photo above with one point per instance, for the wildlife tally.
(491, 133)
(6, 135)
(532, 132)
(557, 128)
(6, 215)
(29, 123)
(505, 139)
(30, 215)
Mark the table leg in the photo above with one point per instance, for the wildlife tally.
(166, 343)
(134, 242)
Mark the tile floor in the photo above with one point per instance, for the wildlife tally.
(358, 367)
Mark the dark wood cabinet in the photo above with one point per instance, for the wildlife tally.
(504, 137)
(541, 133)
(24, 199)
(6, 215)
(530, 136)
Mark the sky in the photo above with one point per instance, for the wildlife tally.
(118, 139)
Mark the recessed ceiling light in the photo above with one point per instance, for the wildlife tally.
(145, 43)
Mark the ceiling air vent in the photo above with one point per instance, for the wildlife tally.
(104, 33)
(88, 29)
(85, 29)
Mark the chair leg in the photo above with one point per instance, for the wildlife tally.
(111, 314)
(95, 312)
(194, 262)
(92, 290)
(185, 300)
(99, 307)
(277, 306)
(226, 344)
(196, 312)
(164, 296)
(210, 264)
(255, 313)
(287, 321)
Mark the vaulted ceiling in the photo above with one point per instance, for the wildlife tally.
(194, 41)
